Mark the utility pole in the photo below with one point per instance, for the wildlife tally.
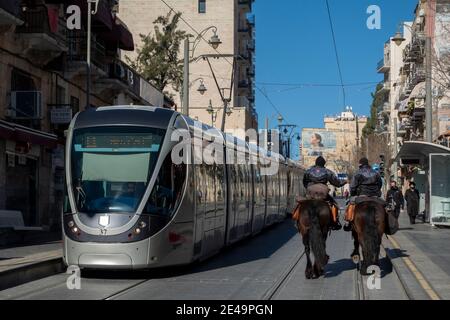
(185, 106)
(429, 97)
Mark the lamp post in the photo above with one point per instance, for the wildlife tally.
(88, 49)
(214, 42)
(283, 128)
(398, 39)
(226, 100)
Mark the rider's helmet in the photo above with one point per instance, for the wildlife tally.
(320, 161)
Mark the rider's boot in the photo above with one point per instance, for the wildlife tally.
(336, 225)
(349, 215)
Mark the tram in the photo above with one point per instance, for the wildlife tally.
(129, 205)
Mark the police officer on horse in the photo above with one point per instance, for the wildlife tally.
(366, 182)
(315, 181)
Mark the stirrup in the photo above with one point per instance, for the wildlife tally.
(348, 227)
(336, 226)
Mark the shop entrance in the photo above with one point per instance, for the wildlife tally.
(21, 187)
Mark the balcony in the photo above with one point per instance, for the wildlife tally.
(251, 71)
(247, 25)
(243, 84)
(246, 4)
(44, 35)
(383, 65)
(120, 78)
(242, 102)
(251, 45)
(76, 58)
(9, 14)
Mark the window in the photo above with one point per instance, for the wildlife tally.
(201, 6)
(75, 104)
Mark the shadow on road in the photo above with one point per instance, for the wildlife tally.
(261, 246)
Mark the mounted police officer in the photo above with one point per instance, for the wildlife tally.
(366, 182)
(315, 181)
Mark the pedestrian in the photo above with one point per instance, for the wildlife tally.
(412, 198)
(394, 197)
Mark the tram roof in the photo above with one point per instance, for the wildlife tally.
(145, 116)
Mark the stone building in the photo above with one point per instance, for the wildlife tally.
(338, 142)
(236, 30)
(43, 72)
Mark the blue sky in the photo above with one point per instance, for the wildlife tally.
(294, 45)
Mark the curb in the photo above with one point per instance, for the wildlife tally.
(30, 272)
(409, 282)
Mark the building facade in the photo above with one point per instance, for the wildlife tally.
(43, 71)
(236, 30)
(338, 142)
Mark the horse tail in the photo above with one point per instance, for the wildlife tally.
(371, 235)
(316, 239)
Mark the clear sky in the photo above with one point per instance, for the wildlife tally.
(294, 46)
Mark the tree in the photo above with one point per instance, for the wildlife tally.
(379, 97)
(157, 60)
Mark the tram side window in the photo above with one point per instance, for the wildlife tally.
(167, 191)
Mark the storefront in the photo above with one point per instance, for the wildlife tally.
(433, 164)
(26, 169)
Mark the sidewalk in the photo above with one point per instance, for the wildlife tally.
(420, 254)
(29, 262)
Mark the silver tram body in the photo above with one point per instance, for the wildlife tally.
(128, 206)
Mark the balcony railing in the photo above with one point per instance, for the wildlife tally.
(37, 21)
(78, 51)
(119, 70)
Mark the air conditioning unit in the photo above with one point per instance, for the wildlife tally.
(26, 105)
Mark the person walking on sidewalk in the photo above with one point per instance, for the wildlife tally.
(394, 197)
(412, 198)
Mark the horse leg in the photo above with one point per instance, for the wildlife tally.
(309, 270)
(355, 253)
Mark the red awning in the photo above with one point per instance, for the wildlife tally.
(119, 37)
(16, 132)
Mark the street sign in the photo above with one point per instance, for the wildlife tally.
(61, 115)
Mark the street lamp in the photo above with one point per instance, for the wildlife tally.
(212, 112)
(88, 49)
(398, 39)
(214, 42)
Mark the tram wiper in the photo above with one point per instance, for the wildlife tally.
(80, 191)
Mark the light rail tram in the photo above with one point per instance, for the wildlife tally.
(128, 205)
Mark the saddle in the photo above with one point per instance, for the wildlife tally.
(297, 211)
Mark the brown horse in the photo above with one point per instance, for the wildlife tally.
(367, 231)
(314, 219)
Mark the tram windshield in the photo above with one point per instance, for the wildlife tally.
(111, 167)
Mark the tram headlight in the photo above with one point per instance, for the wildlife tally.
(74, 229)
(71, 224)
(137, 230)
(142, 224)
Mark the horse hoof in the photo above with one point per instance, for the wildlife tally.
(355, 259)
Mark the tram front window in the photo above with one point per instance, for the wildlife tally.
(111, 167)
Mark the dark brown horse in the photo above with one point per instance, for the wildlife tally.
(314, 218)
(367, 231)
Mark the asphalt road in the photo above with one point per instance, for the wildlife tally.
(268, 266)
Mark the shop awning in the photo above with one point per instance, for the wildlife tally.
(16, 132)
(119, 37)
(103, 19)
(418, 152)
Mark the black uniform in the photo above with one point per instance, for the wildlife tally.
(395, 196)
(412, 198)
(366, 182)
(317, 174)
